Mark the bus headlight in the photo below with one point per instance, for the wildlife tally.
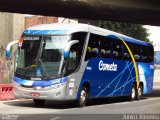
(55, 86)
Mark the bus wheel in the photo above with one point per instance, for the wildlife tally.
(83, 97)
(132, 96)
(139, 93)
(38, 102)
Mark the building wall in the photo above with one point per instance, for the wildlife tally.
(36, 20)
(66, 20)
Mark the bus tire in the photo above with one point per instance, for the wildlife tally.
(38, 102)
(132, 95)
(139, 92)
(81, 102)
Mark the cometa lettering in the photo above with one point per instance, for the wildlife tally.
(107, 67)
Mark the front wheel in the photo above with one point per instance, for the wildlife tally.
(83, 97)
(38, 102)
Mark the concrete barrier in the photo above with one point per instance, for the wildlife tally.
(6, 92)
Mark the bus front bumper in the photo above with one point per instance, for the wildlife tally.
(56, 92)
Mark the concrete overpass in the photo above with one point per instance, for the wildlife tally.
(135, 11)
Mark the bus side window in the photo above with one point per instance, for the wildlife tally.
(126, 54)
(93, 47)
(81, 36)
(136, 52)
(147, 54)
(105, 49)
(76, 52)
(150, 54)
(73, 59)
(144, 54)
(117, 49)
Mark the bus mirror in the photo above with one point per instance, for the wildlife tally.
(68, 46)
(8, 49)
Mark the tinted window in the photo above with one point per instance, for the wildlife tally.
(142, 53)
(93, 47)
(147, 54)
(126, 54)
(136, 51)
(106, 47)
(117, 49)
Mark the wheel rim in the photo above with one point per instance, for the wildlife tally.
(133, 93)
(139, 92)
(83, 96)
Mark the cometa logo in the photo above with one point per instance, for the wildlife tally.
(107, 67)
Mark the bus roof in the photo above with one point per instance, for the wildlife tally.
(68, 28)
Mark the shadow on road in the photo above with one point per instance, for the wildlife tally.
(68, 104)
(155, 93)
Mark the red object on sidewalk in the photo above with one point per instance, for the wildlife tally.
(6, 92)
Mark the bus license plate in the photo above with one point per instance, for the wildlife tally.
(34, 94)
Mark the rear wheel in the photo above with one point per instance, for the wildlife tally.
(139, 93)
(132, 96)
(83, 97)
(38, 102)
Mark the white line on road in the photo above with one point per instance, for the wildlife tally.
(55, 118)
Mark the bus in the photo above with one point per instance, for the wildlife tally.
(79, 62)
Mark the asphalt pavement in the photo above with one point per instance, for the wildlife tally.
(99, 109)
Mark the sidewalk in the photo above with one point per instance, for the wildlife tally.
(156, 84)
(16, 100)
(156, 81)
(157, 75)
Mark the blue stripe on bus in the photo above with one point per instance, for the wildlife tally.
(131, 40)
(42, 83)
(42, 32)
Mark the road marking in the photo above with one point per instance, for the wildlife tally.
(143, 100)
(55, 118)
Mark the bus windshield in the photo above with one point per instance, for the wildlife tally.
(41, 56)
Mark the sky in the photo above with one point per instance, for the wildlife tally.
(154, 36)
(154, 33)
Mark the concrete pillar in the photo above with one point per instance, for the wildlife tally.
(11, 27)
(18, 25)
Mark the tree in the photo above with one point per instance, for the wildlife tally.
(136, 31)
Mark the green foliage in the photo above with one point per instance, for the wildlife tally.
(136, 31)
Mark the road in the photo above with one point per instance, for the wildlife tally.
(96, 109)
(99, 109)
